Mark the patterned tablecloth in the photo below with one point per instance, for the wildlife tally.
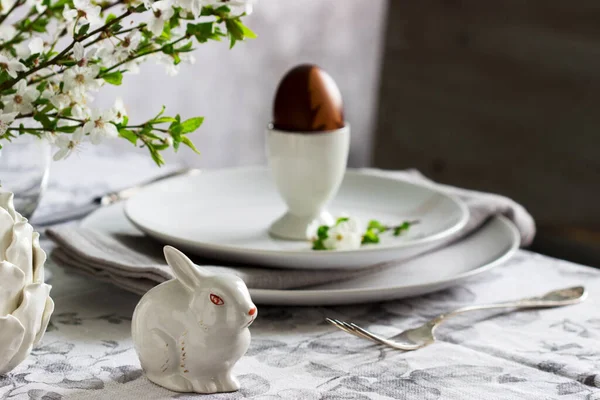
(87, 352)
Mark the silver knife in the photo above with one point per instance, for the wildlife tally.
(102, 201)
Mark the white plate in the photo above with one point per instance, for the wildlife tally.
(488, 247)
(226, 215)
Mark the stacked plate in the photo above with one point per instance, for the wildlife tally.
(226, 214)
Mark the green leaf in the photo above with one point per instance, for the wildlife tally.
(161, 112)
(191, 124)
(185, 48)
(110, 18)
(168, 49)
(116, 27)
(318, 245)
(39, 25)
(323, 232)
(376, 226)
(161, 146)
(139, 9)
(402, 228)
(340, 220)
(41, 86)
(203, 31)
(370, 237)
(186, 140)
(83, 30)
(66, 129)
(162, 120)
(114, 78)
(166, 33)
(248, 33)
(44, 120)
(157, 157)
(129, 135)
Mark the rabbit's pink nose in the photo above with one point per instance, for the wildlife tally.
(252, 311)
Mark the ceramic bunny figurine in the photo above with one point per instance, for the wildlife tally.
(190, 331)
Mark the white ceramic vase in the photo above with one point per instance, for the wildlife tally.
(190, 331)
(308, 169)
(25, 304)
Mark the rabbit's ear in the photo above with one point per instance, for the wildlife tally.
(184, 269)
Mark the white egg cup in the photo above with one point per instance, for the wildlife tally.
(308, 169)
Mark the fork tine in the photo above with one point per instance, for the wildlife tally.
(369, 335)
(362, 333)
(386, 342)
(337, 324)
(348, 328)
(356, 332)
(344, 326)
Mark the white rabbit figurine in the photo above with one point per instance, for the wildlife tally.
(190, 331)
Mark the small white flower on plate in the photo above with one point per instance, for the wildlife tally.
(345, 235)
(22, 100)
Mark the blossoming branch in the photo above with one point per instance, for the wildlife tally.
(57, 53)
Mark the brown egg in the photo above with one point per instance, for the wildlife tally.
(308, 100)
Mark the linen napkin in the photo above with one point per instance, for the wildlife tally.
(135, 262)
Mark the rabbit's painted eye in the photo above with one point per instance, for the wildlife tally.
(216, 300)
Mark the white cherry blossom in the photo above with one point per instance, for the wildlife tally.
(237, 7)
(79, 80)
(7, 32)
(67, 144)
(130, 42)
(119, 110)
(132, 67)
(10, 65)
(7, 5)
(38, 4)
(6, 118)
(99, 126)
(84, 10)
(81, 56)
(170, 68)
(27, 48)
(60, 101)
(160, 12)
(21, 101)
(80, 111)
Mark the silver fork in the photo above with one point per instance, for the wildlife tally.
(416, 338)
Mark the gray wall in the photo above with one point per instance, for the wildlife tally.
(234, 89)
(499, 96)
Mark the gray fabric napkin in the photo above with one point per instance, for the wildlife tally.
(135, 262)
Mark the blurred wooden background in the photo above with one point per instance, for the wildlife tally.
(499, 96)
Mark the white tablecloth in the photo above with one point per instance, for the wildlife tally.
(87, 352)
